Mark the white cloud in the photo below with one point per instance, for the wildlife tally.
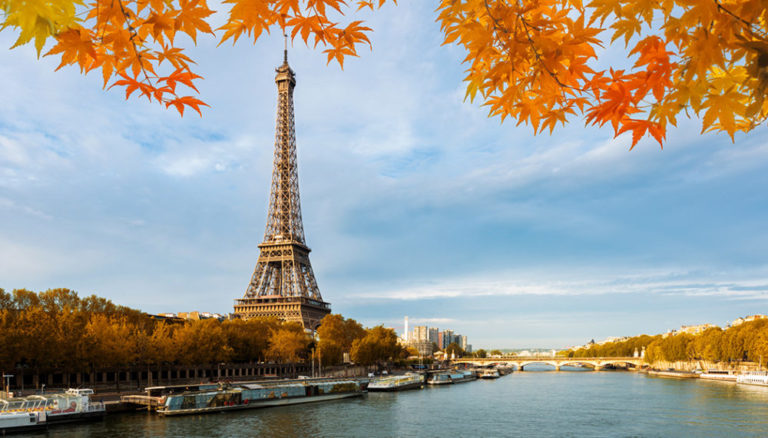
(751, 285)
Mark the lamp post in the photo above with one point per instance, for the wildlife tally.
(7, 378)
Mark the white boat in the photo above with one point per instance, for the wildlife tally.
(489, 373)
(727, 375)
(21, 414)
(397, 383)
(753, 378)
(250, 396)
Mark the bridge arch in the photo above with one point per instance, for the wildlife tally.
(522, 364)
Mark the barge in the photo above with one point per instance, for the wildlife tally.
(250, 396)
(397, 383)
(449, 377)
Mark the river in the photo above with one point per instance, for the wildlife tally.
(530, 403)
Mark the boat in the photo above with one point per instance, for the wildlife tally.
(228, 397)
(727, 375)
(21, 414)
(673, 373)
(449, 377)
(489, 373)
(759, 378)
(463, 376)
(441, 378)
(397, 383)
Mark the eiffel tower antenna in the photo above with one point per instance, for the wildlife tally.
(283, 284)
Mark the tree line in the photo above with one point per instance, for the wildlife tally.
(57, 329)
(745, 342)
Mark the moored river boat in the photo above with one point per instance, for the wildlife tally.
(759, 378)
(449, 377)
(22, 414)
(726, 375)
(673, 374)
(489, 373)
(397, 383)
(261, 395)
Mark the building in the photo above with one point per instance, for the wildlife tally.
(196, 316)
(423, 347)
(283, 284)
(432, 334)
(420, 334)
(448, 338)
(750, 318)
(695, 329)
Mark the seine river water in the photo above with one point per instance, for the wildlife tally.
(567, 404)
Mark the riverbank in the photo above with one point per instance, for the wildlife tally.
(531, 404)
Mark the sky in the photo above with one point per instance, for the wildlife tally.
(414, 201)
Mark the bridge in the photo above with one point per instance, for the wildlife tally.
(520, 362)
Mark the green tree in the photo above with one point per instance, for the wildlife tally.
(453, 349)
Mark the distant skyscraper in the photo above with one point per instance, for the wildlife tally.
(432, 334)
(448, 338)
(406, 334)
(420, 333)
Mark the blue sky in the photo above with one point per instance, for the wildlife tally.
(414, 201)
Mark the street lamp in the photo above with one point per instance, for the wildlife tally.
(7, 378)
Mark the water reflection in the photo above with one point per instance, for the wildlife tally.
(530, 403)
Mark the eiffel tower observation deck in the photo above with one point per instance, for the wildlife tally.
(283, 284)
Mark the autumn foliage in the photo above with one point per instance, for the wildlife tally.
(537, 61)
(57, 329)
(540, 62)
(137, 44)
(744, 342)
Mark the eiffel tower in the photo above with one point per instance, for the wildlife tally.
(283, 284)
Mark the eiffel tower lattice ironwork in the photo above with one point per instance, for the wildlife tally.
(283, 284)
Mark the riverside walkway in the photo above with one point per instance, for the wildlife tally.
(520, 362)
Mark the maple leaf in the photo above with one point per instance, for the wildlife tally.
(189, 101)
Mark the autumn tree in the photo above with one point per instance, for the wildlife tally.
(378, 345)
(201, 342)
(249, 340)
(336, 336)
(288, 343)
